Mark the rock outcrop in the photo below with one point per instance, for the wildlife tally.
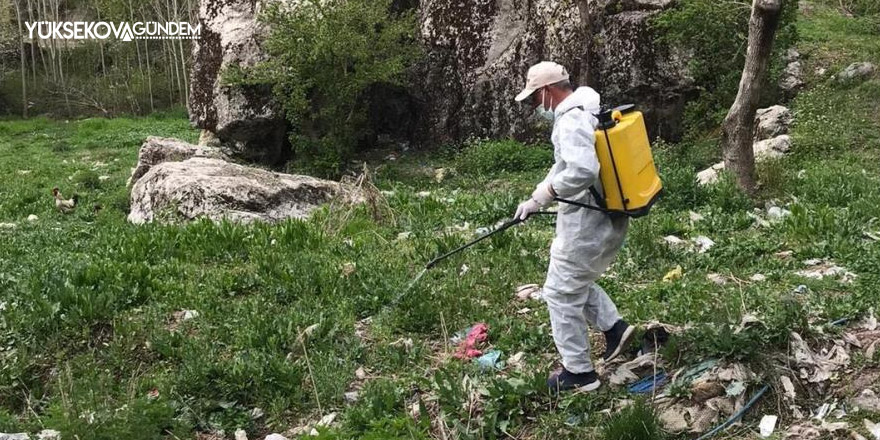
(181, 181)
(245, 120)
(772, 121)
(476, 56)
(479, 50)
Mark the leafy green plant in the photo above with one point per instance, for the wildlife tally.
(715, 32)
(489, 157)
(634, 422)
(324, 58)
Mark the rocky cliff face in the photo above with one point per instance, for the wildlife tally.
(244, 120)
(479, 50)
(477, 53)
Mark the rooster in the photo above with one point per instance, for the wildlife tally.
(64, 206)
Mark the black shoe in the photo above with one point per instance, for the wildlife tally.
(565, 380)
(617, 339)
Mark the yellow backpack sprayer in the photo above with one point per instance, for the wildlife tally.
(626, 166)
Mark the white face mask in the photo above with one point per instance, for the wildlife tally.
(542, 111)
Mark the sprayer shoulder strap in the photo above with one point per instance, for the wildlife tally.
(597, 196)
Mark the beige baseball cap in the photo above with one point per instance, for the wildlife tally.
(540, 75)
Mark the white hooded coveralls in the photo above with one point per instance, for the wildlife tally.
(586, 241)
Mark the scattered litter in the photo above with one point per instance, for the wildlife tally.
(525, 291)
(767, 425)
(467, 348)
(327, 420)
(871, 321)
(673, 240)
(406, 343)
(873, 428)
(673, 274)
(275, 437)
(758, 219)
(515, 361)
(310, 329)
(695, 217)
(867, 400)
(784, 254)
(523, 311)
(351, 396)
(24, 172)
(360, 373)
(820, 268)
(717, 278)
(653, 338)
(240, 434)
(800, 289)
(649, 383)
(257, 413)
(103, 178)
(464, 269)
(817, 367)
(703, 244)
(776, 213)
(801, 174)
(624, 374)
(490, 360)
(735, 389)
(746, 320)
(824, 410)
(802, 432)
(348, 269)
(423, 194)
(386, 193)
(404, 235)
(788, 386)
(758, 278)
(32, 218)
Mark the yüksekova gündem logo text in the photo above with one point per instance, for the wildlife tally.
(102, 30)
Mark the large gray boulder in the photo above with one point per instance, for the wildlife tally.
(245, 120)
(478, 52)
(209, 187)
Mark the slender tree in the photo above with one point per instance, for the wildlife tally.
(24, 99)
(738, 129)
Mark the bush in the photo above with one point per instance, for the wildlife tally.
(324, 58)
(715, 32)
(498, 156)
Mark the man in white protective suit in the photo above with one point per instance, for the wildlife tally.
(586, 241)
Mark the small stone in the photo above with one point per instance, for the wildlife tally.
(758, 277)
(190, 314)
(423, 194)
(32, 218)
(772, 121)
(360, 373)
(777, 213)
(49, 434)
(275, 437)
(695, 217)
(710, 175)
(717, 278)
(240, 434)
(703, 243)
(856, 72)
(351, 396)
(673, 240)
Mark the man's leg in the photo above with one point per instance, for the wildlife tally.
(569, 325)
(599, 309)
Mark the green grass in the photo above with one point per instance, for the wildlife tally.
(89, 346)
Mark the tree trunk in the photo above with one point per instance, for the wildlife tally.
(587, 30)
(738, 129)
(24, 100)
(33, 43)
